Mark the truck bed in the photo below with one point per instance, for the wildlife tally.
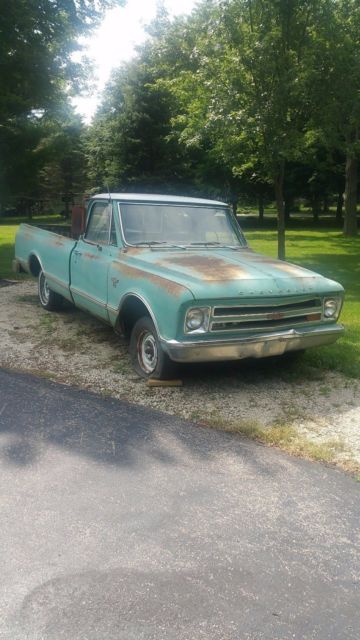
(37, 248)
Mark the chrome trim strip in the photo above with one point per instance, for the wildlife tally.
(277, 303)
(259, 346)
(61, 283)
(145, 303)
(37, 257)
(121, 227)
(259, 320)
(88, 216)
(86, 295)
(248, 317)
(263, 327)
(235, 225)
(112, 309)
(337, 328)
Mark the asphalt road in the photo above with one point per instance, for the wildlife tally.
(120, 523)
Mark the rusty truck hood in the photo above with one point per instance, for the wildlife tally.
(224, 273)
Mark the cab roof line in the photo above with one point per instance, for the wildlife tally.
(158, 199)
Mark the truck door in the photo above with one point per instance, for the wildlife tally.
(91, 259)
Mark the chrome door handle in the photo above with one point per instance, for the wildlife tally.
(78, 253)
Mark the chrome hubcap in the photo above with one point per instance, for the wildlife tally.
(148, 352)
(44, 289)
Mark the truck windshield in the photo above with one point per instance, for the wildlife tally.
(195, 226)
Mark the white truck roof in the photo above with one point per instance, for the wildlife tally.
(151, 197)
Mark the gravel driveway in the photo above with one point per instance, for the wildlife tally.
(74, 348)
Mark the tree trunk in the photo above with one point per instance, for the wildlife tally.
(288, 206)
(261, 207)
(326, 204)
(350, 222)
(67, 209)
(339, 206)
(315, 207)
(279, 196)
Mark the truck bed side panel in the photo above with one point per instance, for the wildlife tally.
(53, 252)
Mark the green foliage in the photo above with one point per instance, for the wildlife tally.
(240, 95)
(37, 76)
(129, 144)
(64, 171)
(37, 40)
(238, 98)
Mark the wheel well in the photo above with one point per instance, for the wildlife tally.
(34, 265)
(130, 312)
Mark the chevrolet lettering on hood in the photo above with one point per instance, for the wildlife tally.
(177, 278)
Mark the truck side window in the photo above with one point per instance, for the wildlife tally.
(99, 224)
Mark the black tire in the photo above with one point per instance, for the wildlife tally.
(146, 353)
(49, 300)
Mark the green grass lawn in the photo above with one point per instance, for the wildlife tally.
(7, 239)
(325, 251)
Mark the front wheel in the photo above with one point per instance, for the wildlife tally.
(49, 300)
(147, 355)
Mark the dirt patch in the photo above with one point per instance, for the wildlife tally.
(74, 348)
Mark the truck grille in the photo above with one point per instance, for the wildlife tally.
(261, 317)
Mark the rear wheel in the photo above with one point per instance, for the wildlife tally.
(49, 300)
(147, 355)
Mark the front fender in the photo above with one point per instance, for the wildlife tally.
(163, 298)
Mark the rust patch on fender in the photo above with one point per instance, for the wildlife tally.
(172, 288)
(209, 268)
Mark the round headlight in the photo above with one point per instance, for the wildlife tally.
(330, 308)
(195, 319)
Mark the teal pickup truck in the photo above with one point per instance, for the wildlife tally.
(176, 276)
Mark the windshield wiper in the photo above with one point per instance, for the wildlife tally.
(214, 244)
(147, 243)
(154, 243)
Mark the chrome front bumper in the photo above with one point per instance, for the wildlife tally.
(257, 346)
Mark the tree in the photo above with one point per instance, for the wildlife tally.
(38, 38)
(248, 89)
(20, 163)
(37, 73)
(131, 141)
(335, 90)
(62, 176)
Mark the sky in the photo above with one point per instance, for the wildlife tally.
(115, 40)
